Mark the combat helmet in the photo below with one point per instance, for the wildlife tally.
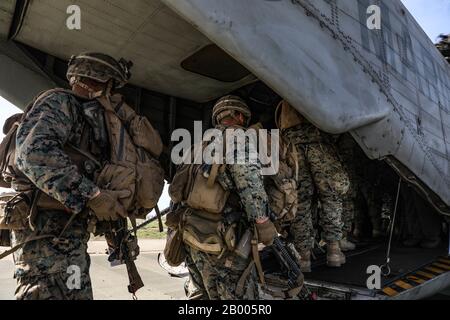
(227, 106)
(99, 67)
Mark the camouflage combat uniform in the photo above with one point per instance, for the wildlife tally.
(364, 199)
(217, 277)
(320, 171)
(42, 267)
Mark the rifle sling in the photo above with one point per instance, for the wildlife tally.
(160, 223)
(241, 283)
(20, 245)
(256, 258)
(134, 278)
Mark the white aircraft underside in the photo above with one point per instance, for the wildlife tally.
(390, 88)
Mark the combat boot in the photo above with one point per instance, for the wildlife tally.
(346, 245)
(305, 262)
(335, 257)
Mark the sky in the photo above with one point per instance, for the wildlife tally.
(432, 15)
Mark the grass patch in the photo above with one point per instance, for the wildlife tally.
(151, 231)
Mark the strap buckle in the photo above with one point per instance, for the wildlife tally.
(59, 241)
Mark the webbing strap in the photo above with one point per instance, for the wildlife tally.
(241, 283)
(213, 175)
(160, 223)
(256, 258)
(20, 245)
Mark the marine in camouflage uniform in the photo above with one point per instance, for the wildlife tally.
(217, 277)
(349, 154)
(47, 269)
(364, 199)
(321, 172)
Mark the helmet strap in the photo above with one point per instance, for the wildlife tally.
(92, 94)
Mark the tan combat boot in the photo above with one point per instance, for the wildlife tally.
(305, 262)
(346, 245)
(335, 257)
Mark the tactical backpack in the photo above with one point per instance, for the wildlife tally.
(197, 186)
(135, 148)
(281, 188)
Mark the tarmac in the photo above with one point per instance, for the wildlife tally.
(110, 283)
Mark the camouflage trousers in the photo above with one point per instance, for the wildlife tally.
(320, 171)
(53, 271)
(217, 279)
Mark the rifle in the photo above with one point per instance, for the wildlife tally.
(289, 257)
(123, 247)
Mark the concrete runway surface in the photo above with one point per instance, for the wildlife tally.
(110, 283)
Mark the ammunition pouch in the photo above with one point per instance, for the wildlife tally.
(14, 211)
(206, 196)
(118, 177)
(201, 231)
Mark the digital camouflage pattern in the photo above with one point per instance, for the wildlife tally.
(42, 266)
(365, 198)
(320, 172)
(48, 126)
(246, 181)
(215, 280)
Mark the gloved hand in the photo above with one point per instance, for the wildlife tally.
(266, 232)
(106, 205)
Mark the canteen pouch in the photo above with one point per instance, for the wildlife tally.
(174, 251)
(201, 232)
(14, 211)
